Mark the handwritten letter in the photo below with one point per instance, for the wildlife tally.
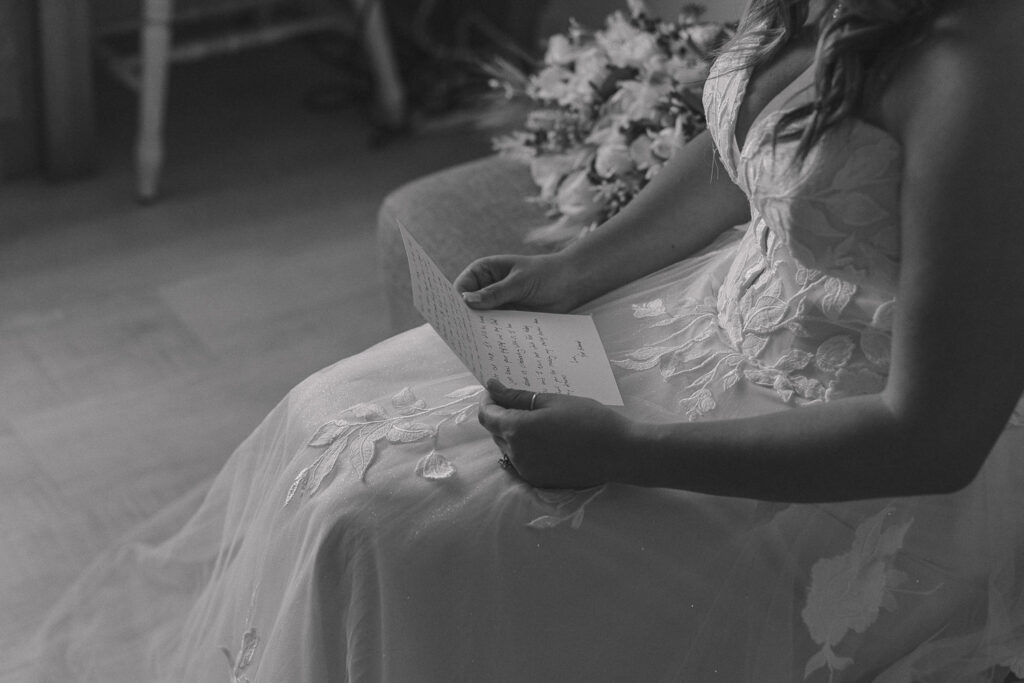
(544, 352)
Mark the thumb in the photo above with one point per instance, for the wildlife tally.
(506, 397)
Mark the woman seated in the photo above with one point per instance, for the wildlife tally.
(817, 471)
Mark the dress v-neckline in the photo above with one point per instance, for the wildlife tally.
(799, 84)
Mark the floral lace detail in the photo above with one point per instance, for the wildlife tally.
(246, 652)
(838, 211)
(848, 591)
(806, 307)
(367, 424)
(713, 350)
(569, 507)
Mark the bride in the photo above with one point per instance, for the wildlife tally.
(817, 472)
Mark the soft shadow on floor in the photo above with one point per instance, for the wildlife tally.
(140, 344)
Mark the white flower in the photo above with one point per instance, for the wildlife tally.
(548, 170)
(637, 7)
(640, 50)
(613, 158)
(607, 131)
(653, 169)
(571, 74)
(577, 198)
(666, 143)
(550, 84)
(516, 145)
(560, 51)
(687, 70)
(640, 100)
(640, 151)
(625, 44)
(591, 68)
(704, 37)
(596, 90)
(654, 67)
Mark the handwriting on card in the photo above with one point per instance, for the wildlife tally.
(545, 352)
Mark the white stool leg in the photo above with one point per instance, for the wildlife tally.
(388, 89)
(155, 50)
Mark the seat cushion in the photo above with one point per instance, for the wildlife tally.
(459, 214)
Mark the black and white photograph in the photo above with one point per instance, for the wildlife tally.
(512, 341)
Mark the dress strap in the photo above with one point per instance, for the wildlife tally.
(723, 94)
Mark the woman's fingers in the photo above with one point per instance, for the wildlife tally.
(483, 272)
(486, 283)
(499, 408)
(516, 399)
(490, 415)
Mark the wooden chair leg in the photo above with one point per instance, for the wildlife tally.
(155, 50)
(389, 92)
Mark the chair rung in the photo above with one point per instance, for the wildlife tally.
(265, 35)
(192, 15)
(125, 68)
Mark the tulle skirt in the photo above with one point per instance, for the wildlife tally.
(365, 532)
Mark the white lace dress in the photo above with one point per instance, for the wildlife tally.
(365, 532)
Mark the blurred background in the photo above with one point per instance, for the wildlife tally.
(147, 338)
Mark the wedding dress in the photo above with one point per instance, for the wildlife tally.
(365, 532)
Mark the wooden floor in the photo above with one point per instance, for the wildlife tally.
(139, 345)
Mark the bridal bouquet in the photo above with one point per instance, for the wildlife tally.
(608, 109)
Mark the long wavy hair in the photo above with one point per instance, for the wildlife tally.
(859, 42)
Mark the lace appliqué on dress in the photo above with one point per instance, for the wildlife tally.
(848, 591)
(357, 434)
(714, 352)
(569, 507)
(246, 652)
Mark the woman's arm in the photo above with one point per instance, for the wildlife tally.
(958, 360)
(689, 203)
(683, 209)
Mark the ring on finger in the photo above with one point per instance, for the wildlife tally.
(533, 400)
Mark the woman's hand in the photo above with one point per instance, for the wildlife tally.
(564, 442)
(539, 283)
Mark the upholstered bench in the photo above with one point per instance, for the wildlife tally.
(459, 214)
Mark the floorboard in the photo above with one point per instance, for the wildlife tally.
(140, 344)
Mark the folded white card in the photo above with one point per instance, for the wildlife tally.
(545, 352)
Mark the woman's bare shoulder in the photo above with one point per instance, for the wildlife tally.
(972, 55)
